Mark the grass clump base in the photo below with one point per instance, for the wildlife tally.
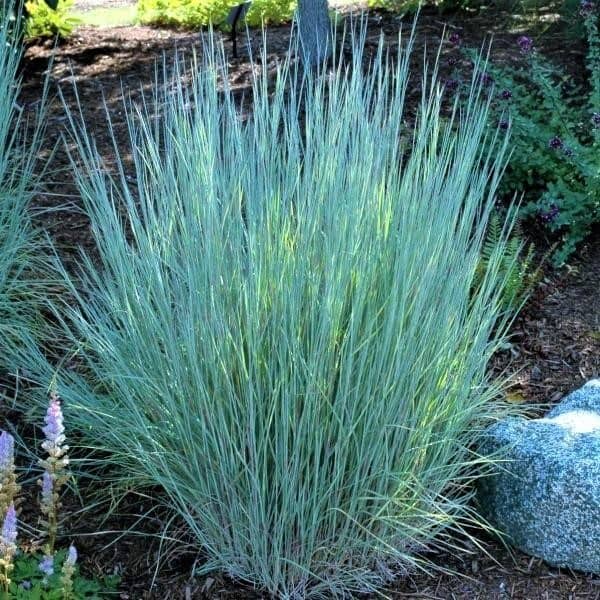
(281, 331)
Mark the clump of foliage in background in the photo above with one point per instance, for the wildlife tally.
(198, 13)
(44, 21)
(555, 138)
(284, 336)
(49, 574)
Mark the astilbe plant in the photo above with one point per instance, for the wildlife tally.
(282, 334)
(54, 477)
(54, 575)
(555, 139)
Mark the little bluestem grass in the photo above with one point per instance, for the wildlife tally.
(280, 331)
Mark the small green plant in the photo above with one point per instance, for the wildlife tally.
(555, 138)
(51, 574)
(30, 583)
(44, 21)
(197, 13)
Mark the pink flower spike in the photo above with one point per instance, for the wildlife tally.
(7, 450)
(54, 429)
(9, 528)
(47, 488)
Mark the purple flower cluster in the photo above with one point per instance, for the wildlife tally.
(596, 119)
(54, 429)
(555, 143)
(454, 39)
(506, 94)
(586, 8)
(550, 215)
(503, 124)
(47, 565)
(451, 84)
(525, 44)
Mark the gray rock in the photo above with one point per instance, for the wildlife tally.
(546, 497)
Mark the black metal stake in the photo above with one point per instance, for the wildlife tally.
(236, 15)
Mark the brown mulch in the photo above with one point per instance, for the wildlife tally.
(555, 343)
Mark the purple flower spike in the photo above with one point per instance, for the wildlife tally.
(54, 429)
(47, 488)
(7, 451)
(47, 565)
(525, 44)
(596, 119)
(454, 39)
(555, 143)
(506, 94)
(9, 528)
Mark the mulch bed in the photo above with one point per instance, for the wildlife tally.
(555, 343)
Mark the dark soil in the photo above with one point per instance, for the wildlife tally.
(555, 343)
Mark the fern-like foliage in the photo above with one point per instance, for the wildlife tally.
(516, 266)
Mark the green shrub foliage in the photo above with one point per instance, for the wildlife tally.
(555, 140)
(44, 21)
(281, 330)
(197, 13)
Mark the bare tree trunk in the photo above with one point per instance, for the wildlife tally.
(315, 31)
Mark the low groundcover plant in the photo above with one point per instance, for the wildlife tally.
(281, 331)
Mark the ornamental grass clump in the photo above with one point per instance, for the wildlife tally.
(24, 270)
(280, 330)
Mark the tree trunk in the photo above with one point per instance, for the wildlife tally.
(315, 31)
